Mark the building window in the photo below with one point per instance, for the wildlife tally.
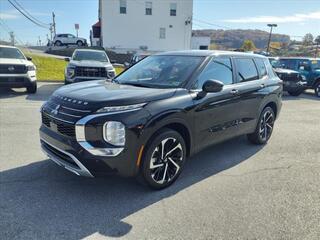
(173, 9)
(162, 33)
(148, 8)
(123, 6)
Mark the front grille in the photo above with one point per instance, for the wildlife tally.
(13, 69)
(59, 154)
(91, 72)
(289, 77)
(66, 129)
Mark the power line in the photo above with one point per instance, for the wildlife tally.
(28, 13)
(24, 14)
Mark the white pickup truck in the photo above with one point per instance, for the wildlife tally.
(16, 70)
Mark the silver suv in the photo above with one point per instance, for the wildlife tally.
(68, 39)
(88, 64)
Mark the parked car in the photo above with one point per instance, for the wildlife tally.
(307, 67)
(87, 64)
(293, 82)
(160, 111)
(17, 70)
(68, 39)
(136, 58)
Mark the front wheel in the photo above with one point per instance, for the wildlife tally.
(80, 43)
(164, 159)
(32, 88)
(264, 127)
(295, 93)
(317, 89)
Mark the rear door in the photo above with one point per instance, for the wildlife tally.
(251, 76)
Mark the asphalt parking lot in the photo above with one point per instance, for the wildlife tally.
(233, 190)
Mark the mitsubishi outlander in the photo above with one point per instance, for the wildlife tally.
(159, 112)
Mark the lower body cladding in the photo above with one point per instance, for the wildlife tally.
(73, 156)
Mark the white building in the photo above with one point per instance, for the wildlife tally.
(200, 42)
(153, 25)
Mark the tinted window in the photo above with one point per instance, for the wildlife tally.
(218, 69)
(90, 55)
(261, 67)
(246, 69)
(160, 71)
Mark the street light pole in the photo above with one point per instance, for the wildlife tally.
(271, 27)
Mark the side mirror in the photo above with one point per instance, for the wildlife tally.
(29, 58)
(67, 59)
(212, 86)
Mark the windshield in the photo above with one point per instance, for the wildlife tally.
(13, 53)
(315, 64)
(289, 64)
(160, 71)
(91, 56)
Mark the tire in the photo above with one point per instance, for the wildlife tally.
(79, 43)
(296, 92)
(264, 127)
(32, 88)
(160, 169)
(58, 43)
(317, 89)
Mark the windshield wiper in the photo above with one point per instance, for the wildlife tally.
(136, 84)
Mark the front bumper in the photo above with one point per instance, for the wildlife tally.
(17, 80)
(294, 86)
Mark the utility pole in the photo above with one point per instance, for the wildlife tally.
(12, 38)
(54, 23)
(271, 27)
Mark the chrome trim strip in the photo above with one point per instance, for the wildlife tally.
(76, 110)
(82, 171)
(70, 115)
(58, 118)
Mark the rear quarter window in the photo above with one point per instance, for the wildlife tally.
(261, 67)
(246, 69)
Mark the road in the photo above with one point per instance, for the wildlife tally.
(233, 190)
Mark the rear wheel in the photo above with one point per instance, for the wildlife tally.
(80, 43)
(317, 89)
(32, 88)
(295, 93)
(58, 43)
(164, 159)
(264, 127)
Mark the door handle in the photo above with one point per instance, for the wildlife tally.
(262, 85)
(234, 91)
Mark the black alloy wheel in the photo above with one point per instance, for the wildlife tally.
(164, 159)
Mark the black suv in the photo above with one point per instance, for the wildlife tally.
(159, 112)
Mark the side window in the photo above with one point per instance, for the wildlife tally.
(123, 6)
(217, 69)
(261, 67)
(246, 69)
(173, 9)
(148, 8)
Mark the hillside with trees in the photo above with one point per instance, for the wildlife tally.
(234, 39)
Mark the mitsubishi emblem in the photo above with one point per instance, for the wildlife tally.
(56, 110)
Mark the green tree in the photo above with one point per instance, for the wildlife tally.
(317, 40)
(248, 45)
(307, 39)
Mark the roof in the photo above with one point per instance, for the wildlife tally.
(206, 53)
(88, 50)
(297, 58)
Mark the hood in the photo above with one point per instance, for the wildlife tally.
(15, 61)
(283, 70)
(102, 93)
(90, 63)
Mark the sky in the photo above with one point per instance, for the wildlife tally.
(294, 17)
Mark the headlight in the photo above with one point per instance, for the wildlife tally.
(114, 133)
(70, 72)
(31, 68)
(121, 108)
(303, 78)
